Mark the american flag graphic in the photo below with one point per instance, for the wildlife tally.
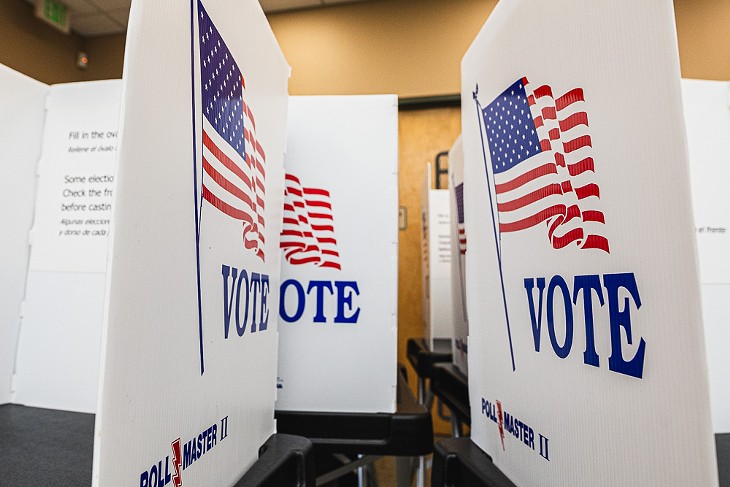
(459, 194)
(540, 151)
(234, 163)
(308, 233)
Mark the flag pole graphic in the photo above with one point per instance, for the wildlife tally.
(198, 212)
(497, 241)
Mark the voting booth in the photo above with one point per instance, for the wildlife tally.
(22, 103)
(707, 114)
(58, 358)
(172, 341)
(586, 347)
(339, 245)
(458, 256)
(436, 264)
(61, 149)
(190, 333)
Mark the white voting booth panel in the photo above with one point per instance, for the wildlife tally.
(22, 102)
(58, 358)
(460, 348)
(436, 263)
(68, 139)
(707, 112)
(338, 316)
(586, 346)
(190, 330)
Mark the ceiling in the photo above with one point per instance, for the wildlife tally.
(100, 17)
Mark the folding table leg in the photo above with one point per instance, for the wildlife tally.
(362, 474)
(421, 472)
(455, 426)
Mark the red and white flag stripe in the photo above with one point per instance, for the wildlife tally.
(237, 186)
(555, 186)
(308, 234)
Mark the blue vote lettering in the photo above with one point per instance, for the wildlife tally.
(344, 292)
(619, 313)
(244, 296)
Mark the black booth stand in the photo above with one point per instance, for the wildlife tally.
(284, 460)
(356, 439)
(459, 462)
(50, 447)
(451, 387)
(422, 359)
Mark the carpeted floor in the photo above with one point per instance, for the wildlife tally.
(45, 447)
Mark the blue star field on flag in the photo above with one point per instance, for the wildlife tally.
(510, 128)
(221, 81)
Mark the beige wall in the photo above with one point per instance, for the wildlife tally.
(36, 49)
(414, 47)
(48, 55)
(408, 47)
(106, 56)
(703, 29)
